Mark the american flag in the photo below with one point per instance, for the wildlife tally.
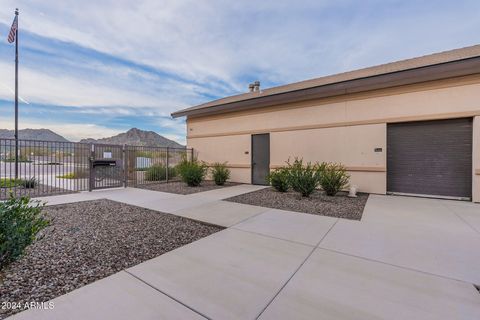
(13, 31)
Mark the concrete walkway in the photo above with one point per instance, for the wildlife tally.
(408, 258)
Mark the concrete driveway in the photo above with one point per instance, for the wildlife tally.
(408, 258)
(432, 236)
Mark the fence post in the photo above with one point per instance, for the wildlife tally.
(92, 174)
(125, 165)
(191, 159)
(166, 167)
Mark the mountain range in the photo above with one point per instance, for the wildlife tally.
(137, 137)
(32, 134)
(134, 136)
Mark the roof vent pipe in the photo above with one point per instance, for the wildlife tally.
(251, 87)
(256, 86)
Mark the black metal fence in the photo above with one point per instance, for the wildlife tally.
(47, 168)
(146, 165)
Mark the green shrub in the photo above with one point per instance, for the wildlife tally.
(9, 183)
(70, 175)
(334, 178)
(220, 173)
(29, 183)
(192, 172)
(278, 178)
(158, 172)
(303, 178)
(77, 174)
(20, 221)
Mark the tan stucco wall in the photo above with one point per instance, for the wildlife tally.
(344, 129)
(352, 146)
(231, 149)
(433, 101)
(242, 175)
(476, 159)
(235, 150)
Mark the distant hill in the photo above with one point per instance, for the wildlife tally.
(137, 137)
(134, 137)
(32, 134)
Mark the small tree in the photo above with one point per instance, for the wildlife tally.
(220, 173)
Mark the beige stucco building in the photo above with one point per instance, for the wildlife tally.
(409, 127)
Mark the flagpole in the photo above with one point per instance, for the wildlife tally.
(16, 97)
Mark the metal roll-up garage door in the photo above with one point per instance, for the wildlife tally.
(431, 158)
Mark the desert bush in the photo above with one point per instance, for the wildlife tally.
(20, 221)
(172, 172)
(303, 178)
(29, 183)
(70, 175)
(9, 183)
(158, 172)
(192, 172)
(334, 178)
(77, 174)
(220, 173)
(278, 179)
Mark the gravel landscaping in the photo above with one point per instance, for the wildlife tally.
(90, 240)
(339, 206)
(179, 187)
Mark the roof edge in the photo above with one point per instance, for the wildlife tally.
(424, 73)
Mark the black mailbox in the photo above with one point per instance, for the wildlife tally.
(104, 163)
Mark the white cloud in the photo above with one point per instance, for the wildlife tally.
(215, 40)
(70, 131)
(62, 89)
(219, 42)
(208, 41)
(178, 138)
(177, 125)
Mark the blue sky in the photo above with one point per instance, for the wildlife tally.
(97, 68)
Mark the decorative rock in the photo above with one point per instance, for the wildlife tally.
(109, 237)
(339, 206)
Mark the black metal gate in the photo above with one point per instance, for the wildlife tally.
(42, 168)
(106, 166)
